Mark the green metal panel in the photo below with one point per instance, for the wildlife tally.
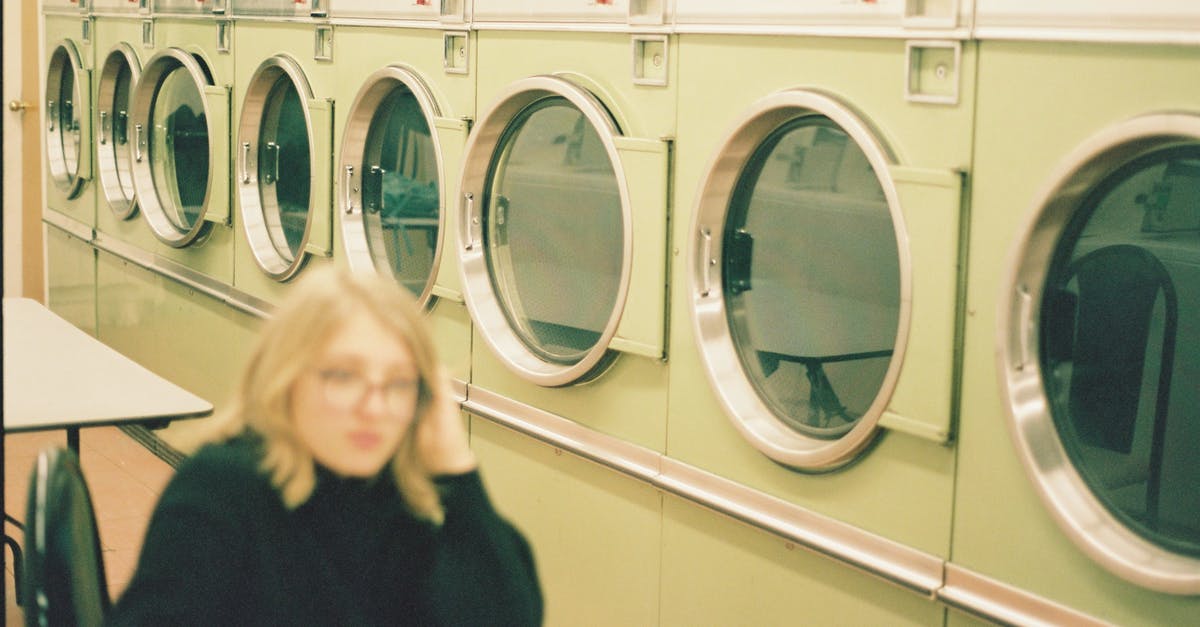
(450, 324)
(902, 488)
(214, 256)
(320, 230)
(71, 279)
(717, 571)
(1020, 139)
(600, 62)
(81, 208)
(109, 32)
(595, 534)
(931, 202)
(629, 401)
(217, 102)
(253, 43)
(452, 138)
(358, 53)
(956, 618)
(194, 340)
(643, 325)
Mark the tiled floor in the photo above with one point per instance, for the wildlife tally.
(125, 480)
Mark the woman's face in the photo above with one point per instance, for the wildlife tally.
(354, 405)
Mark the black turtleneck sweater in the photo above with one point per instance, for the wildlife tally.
(222, 549)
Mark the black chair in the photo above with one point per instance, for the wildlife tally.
(64, 582)
(1106, 337)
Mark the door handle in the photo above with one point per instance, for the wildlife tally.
(706, 261)
(245, 162)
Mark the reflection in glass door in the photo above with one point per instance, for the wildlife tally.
(66, 101)
(283, 169)
(1099, 358)
(553, 230)
(811, 276)
(117, 78)
(1119, 350)
(276, 166)
(401, 201)
(392, 189)
(178, 141)
(798, 279)
(173, 145)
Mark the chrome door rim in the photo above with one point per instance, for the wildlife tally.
(1064, 492)
(65, 52)
(741, 401)
(124, 208)
(375, 88)
(156, 69)
(482, 302)
(254, 220)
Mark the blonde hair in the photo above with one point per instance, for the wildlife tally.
(289, 343)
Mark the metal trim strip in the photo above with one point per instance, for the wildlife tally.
(894, 562)
(70, 225)
(1003, 604)
(191, 278)
(840, 31)
(124, 251)
(430, 24)
(633, 460)
(1027, 33)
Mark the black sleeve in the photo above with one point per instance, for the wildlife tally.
(189, 571)
(484, 572)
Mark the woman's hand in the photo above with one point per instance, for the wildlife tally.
(441, 436)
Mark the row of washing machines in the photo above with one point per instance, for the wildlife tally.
(822, 312)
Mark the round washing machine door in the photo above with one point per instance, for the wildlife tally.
(546, 242)
(114, 153)
(1099, 335)
(173, 151)
(391, 166)
(799, 288)
(275, 166)
(67, 117)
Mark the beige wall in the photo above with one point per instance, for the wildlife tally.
(23, 248)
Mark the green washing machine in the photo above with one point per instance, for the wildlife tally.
(69, 188)
(815, 303)
(118, 33)
(170, 309)
(283, 97)
(563, 216)
(406, 78)
(1080, 355)
(68, 110)
(180, 122)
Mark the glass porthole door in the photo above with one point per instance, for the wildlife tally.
(391, 200)
(278, 164)
(545, 235)
(68, 119)
(798, 290)
(1099, 340)
(180, 147)
(118, 76)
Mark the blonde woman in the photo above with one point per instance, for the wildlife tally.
(340, 489)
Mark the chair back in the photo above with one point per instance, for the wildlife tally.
(1118, 287)
(64, 581)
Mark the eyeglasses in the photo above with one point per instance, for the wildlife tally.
(346, 389)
